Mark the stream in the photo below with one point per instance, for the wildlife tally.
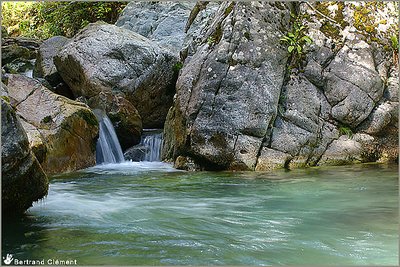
(147, 213)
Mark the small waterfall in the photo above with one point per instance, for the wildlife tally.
(152, 140)
(108, 149)
(149, 148)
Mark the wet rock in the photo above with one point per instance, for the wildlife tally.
(22, 177)
(271, 159)
(110, 59)
(187, 164)
(62, 133)
(136, 153)
(124, 116)
(347, 150)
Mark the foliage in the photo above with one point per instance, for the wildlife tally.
(395, 48)
(295, 41)
(178, 66)
(345, 130)
(46, 19)
(210, 40)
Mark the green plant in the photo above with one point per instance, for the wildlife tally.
(395, 48)
(345, 130)
(295, 41)
(178, 66)
(210, 40)
(5, 98)
(46, 19)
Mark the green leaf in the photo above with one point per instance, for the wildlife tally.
(285, 39)
(299, 49)
(306, 39)
(290, 49)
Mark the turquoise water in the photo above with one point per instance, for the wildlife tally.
(151, 214)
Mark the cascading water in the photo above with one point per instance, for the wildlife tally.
(152, 140)
(108, 149)
(149, 149)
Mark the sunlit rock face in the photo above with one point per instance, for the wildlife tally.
(241, 103)
(107, 59)
(62, 133)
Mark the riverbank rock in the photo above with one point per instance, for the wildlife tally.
(23, 179)
(228, 90)
(44, 66)
(110, 59)
(347, 150)
(62, 133)
(241, 105)
(162, 22)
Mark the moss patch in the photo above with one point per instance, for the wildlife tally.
(229, 9)
(5, 98)
(328, 28)
(89, 117)
(46, 119)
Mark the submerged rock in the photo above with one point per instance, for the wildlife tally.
(62, 133)
(106, 58)
(23, 179)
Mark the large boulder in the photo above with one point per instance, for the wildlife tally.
(110, 59)
(228, 90)
(162, 22)
(238, 106)
(22, 178)
(62, 133)
(44, 65)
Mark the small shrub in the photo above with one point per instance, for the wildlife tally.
(295, 41)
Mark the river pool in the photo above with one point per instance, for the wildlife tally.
(147, 213)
